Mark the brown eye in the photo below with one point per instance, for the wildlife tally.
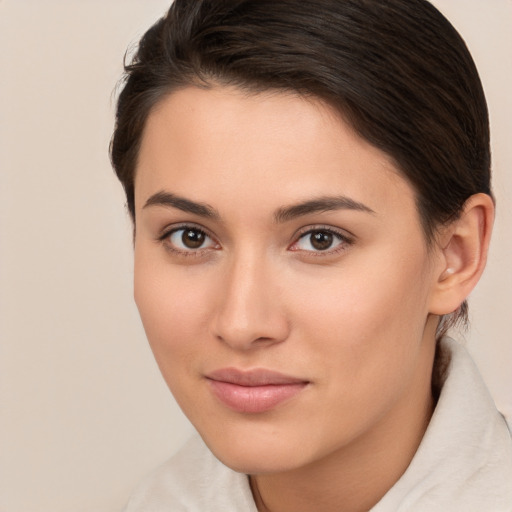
(319, 240)
(190, 239)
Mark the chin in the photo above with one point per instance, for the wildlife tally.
(253, 460)
(259, 452)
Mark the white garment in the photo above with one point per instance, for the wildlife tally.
(463, 464)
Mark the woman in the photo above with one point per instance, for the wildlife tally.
(310, 189)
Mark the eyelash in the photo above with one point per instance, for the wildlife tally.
(345, 241)
(343, 238)
(164, 238)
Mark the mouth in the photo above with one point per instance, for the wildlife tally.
(253, 391)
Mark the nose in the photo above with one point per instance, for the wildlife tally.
(250, 312)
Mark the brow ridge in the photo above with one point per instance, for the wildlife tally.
(283, 214)
(320, 204)
(167, 199)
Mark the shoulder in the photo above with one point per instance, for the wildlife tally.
(192, 480)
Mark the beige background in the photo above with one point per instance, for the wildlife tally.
(84, 413)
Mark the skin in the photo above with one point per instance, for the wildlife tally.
(356, 321)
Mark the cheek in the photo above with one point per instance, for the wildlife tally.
(360, 299)
(173, 309)
(366, 320)
(363, 332)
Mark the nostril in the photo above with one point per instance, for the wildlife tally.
(247, 338)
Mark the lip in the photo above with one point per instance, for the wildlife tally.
(253, 391)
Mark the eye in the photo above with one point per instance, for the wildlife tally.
(188, 238)
(320, 240)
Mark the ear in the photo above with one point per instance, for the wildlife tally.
(462, 250)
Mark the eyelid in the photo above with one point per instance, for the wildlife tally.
(170, 228)
(165, 233)
(345, 237)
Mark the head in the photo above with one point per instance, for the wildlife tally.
(397, 72)
(392, 80)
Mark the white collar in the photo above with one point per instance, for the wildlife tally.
(464, 462)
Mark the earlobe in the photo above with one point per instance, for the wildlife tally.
(463, 254)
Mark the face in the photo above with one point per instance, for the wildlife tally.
(282, 277)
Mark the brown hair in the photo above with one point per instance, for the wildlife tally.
(397, 71)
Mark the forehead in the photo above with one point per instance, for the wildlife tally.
(268, 148)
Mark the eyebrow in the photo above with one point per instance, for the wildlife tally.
(284, 214)
(321, 204)
(167, 199)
